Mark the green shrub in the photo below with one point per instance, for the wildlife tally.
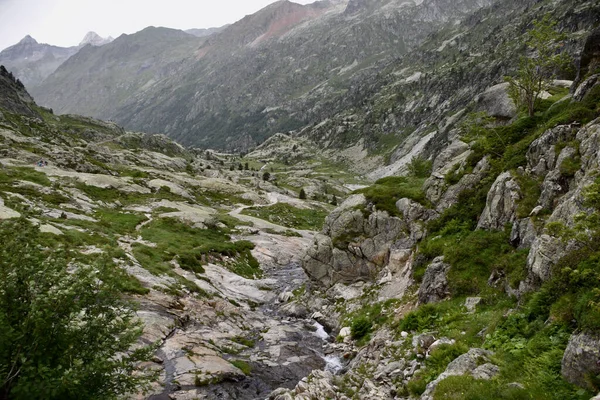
(360, 327)
(66, 332)
(420, 167)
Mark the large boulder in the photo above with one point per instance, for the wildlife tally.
(475, 363)
(501, 205)
(496, 102)
(581, 359)
(434, 287)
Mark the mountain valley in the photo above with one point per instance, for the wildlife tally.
(340, 200)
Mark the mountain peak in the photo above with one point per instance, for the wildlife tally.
(94, 39)
(28, 40)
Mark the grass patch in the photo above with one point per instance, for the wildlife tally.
(387, 191)
(176, 240)
(243, 366)
(289, 216)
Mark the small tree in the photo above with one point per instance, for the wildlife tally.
(419, 167)
(536, 73)
(66, 332)
(266, 176)
(302, 194)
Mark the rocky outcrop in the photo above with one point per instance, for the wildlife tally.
(434, 287)
(438, 192)
(561, 194)
(590, 58)
(501, 205)
(581, 360)
(354, 245)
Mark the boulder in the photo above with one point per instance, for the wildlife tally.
(581, 359)
(474, 362)
(496, 102)
(356, 243)
(434, 287)
(471, 303)
(501, 205)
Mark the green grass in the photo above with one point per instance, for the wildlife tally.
(12, 174)
(289, 216)
(176, 240)
(387, 191)
(243, 366)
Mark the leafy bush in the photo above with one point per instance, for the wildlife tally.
(420, 167)
(242, 366)
(66, 332)
(360, 328)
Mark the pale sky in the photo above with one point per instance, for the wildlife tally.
(65, 22)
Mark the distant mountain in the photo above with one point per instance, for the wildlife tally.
(95, 40)
(130, 65)
(32, 62)
(262, 75)
(205, 32)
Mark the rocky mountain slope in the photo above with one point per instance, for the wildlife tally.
(32, 62)
(478, 281)
(257, 77)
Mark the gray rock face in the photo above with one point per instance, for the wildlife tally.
(590, 57)
(523, 233)
(561, 194)
(541, 156)
(581, 359)
(586, 87)
(356, 243)
(444, 198)
(496, 102)
(434, 287)
(501, 204)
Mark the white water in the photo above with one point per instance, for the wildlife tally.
(333, 363)
(320, 332)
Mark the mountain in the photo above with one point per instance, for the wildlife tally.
(94, 39)
(256, 77)
(14, 97)
(205, 32)
(32, 62)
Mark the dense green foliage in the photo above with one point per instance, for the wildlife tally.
(66, 332)
(387, 191)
